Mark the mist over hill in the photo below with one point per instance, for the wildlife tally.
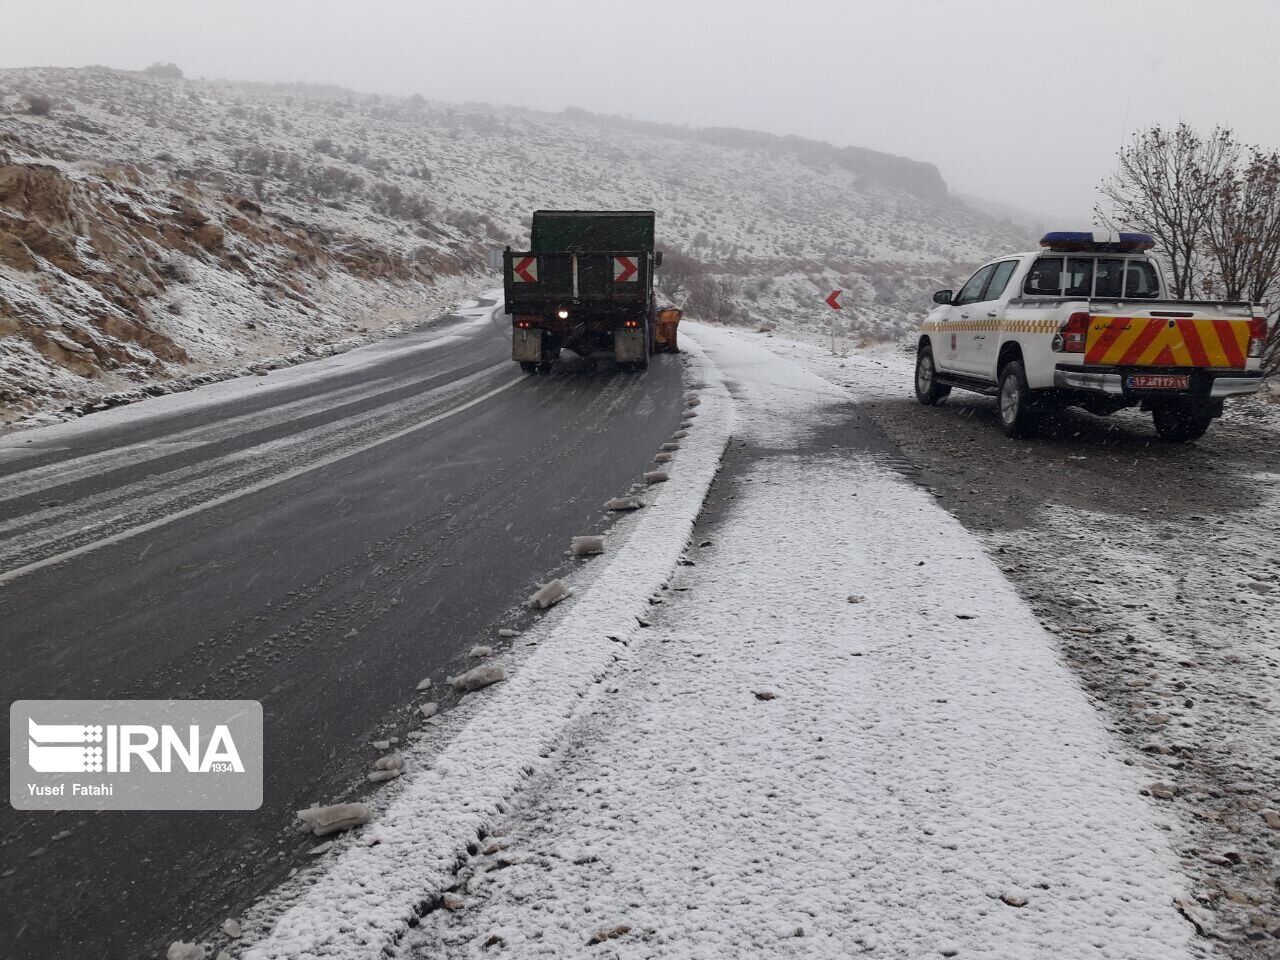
(153, 226)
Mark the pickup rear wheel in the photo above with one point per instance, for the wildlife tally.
(1178, 424)
(928, 390)
(1018, 415)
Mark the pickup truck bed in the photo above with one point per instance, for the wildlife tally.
(1004, 334)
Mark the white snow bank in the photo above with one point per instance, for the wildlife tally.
(367, 897)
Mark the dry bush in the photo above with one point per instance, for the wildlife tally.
(169, 71)
(713, 298)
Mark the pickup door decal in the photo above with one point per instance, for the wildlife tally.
(1156, 342)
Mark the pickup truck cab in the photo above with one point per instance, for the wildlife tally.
(1086, 321)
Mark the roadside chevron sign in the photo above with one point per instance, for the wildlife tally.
(625, 270)
(525, 270)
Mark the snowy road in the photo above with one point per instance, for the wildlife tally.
(318, 539)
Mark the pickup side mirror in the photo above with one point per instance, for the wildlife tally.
(657, 259)
(943, 296)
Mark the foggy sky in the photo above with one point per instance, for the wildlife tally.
(1023, 102)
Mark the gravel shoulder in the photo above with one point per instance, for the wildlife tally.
(1156, 567)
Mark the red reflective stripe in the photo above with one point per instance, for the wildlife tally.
(1230, 346)
(1139, 346)
(1191, 337)
(1098, 349)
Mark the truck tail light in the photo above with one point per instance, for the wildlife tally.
(1257, 336)
(526, 322)
(631, 324)
(1072, 334)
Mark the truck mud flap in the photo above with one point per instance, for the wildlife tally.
(526, 345)
(629, 346)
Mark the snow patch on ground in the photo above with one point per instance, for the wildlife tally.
(925, 763)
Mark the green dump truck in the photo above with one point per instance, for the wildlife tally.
(585, 284)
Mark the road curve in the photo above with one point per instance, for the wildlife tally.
(319, 546)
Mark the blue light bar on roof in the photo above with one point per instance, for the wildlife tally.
(1083, 241)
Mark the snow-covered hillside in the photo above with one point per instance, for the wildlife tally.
(148, 223)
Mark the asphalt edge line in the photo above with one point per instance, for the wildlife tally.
(10, 575)
(371, 894)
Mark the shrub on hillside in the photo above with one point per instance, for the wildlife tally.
(169, 71)
(713, 298)
(38, 105)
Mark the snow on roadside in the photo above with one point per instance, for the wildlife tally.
(476, 313)
(845, 734)
(367, 896)
(1165, 599)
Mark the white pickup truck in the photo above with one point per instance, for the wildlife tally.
(1085, 321)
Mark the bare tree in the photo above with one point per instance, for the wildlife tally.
(1167, 184)
(712, 298)
(675, 278)
(1242, 238)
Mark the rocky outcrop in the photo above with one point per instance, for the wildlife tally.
(94, 267)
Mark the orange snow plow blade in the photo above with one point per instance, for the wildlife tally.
(1162, 342)
(665, 335)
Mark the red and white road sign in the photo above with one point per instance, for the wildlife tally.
(625, 270)
(833, 299)
(525, 270)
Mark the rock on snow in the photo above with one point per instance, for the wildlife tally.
(479, 677)
(586, 546)
(323, 821)
(548, 594)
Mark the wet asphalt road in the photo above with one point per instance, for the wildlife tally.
(327, 596)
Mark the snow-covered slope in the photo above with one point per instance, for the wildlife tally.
(322, 209)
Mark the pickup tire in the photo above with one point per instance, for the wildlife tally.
(1180, 424)
(1018, 414)
(928, 390)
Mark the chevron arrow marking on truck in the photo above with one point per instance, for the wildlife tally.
(624, 269)
(525, 270)
(1131, 341)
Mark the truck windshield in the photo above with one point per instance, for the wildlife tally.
(1044, 279)
(1079, 280)
(1107, 277)
(1140, 280)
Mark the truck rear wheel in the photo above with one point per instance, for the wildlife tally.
(928, 390)
(1180, 424)
(1018, 415)
(528, 366)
